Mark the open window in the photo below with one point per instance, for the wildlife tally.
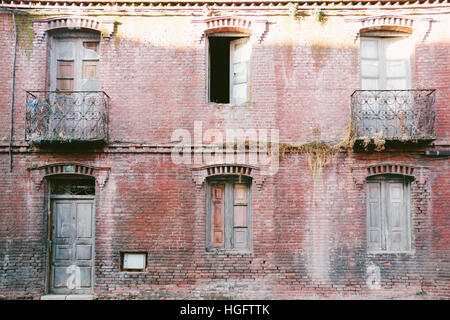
(229, 68)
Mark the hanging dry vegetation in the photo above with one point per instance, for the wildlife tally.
(318, 153)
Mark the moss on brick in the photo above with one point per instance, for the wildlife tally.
(25, 32)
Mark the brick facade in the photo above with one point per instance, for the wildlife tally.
(308, 229)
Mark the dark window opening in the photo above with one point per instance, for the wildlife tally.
(72, 187)
(219, 58)
(229, 69)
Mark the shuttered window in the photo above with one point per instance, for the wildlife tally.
(228, 215)
(74, 60)
(385, 63)
(218, 215)
(388, 215)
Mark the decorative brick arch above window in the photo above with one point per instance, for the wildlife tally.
(106, 28)
(38, 173)
(73, 23)
(254, 28)
(361, 173)
(199, 175)
(392, 23)
(390, 169)
(419, 28)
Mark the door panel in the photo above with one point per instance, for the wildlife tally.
(83, 219)
(72, 247)
(84, 252)
(374, 237)
(397, 217)
(218, 215)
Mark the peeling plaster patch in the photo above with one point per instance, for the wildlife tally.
(373, 277)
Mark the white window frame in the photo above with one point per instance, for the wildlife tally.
(123, 256)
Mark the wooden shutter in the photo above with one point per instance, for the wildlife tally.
(396, 217)
(90, 60)
(65, 75)
(370, 80)
(75, 65)
(65, 57)
(240, 50)
(240, 209)
(370, 62)
(396, 52)
(374, 233)
(217, 215)
(64, 66)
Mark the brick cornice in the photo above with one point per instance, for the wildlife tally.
(256, 28)
(105, 27)
(417, 27)
(199, 174)
(39, 172)
(361, 173)
(236, 3)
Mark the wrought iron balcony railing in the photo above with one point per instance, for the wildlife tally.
(405, 115)
(66, 116)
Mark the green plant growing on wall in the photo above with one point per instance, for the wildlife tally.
(319, 15)
(293, 9)
(25, 32)
(294, 12)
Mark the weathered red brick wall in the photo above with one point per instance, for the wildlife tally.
(6, 75)
(308, 232)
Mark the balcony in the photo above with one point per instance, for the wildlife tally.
(394, 115)
(66, 116)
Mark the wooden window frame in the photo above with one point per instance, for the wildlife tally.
(229, 228)
(236, 36)
(383, 181)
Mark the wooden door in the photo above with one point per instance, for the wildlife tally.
(385, 65)
(74, 64)
(74, 67)
(72, 247)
